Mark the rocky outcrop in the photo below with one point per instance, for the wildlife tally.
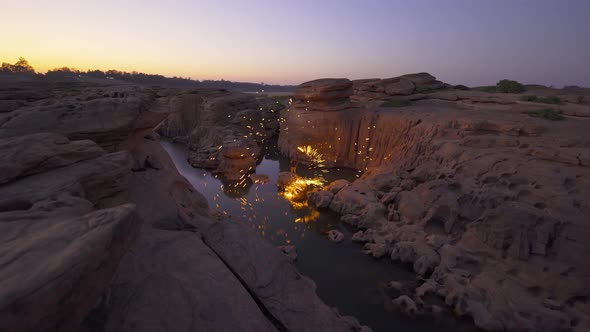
(104, 115)
(65, 226)
(223, 130)
(323, 95)
(198, 270)
(487, 204)
(107, 236)
(405, 85)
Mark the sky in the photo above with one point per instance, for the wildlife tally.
(471, 42)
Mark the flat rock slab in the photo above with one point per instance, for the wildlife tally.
(171, 281)
(52, 270)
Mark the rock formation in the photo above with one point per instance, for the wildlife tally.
(380, 89)
(487, 203)
(223, 130)
(101, 233)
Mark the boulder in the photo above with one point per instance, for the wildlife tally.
(290, 251)
(402, 88)
(335, 236)
(324, 90)
(320, 198)
(54, 269)
(406, 305)
(36, 153)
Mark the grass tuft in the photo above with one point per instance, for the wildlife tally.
(545, 100)
(546, 113)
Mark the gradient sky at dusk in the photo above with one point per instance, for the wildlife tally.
(474, 42)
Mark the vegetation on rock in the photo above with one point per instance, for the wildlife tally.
(509, 86)
(546, 113)
(545, 100)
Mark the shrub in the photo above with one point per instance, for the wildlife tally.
(460, 87)
(545, 100)
(508, 86)
(528, 98)
(546, 113)
(396, 103)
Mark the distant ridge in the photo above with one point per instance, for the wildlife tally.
(23, 69)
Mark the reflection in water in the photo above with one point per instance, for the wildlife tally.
(345, 277)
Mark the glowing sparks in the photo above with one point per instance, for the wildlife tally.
(315, 158)
(296, 189)
(312, 216)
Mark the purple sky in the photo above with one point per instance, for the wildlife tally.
(473, 42)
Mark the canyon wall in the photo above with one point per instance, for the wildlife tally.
(223, 130)
(488, 203)
(99, 231)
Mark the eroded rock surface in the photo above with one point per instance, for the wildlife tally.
(487, 203)
(99, 232)
(65, 225)
(223, 130)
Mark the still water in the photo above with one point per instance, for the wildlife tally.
(345, 277)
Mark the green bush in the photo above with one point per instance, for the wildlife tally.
(508, 86)
(460, 87)
(528, 98)
(547, 113)
(396, 103)
(545, 100)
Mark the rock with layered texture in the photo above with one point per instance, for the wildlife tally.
(224, 130)
(64, 208)
(472, 192)
(324, 90)
(254, 288)
(405, 85)
(65, 227)
(35, 153)
(104, 115)
(283, 291)
(55, 269)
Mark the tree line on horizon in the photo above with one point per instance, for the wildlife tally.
(22, 67)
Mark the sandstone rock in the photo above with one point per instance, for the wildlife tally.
(105, 120)
(474, 174)
(224, 129)
(290, 251)
(160, 273)
(320, 198)
(63, 266)
(102, 180)
(420, 78)
(377, 250)
(324, 90)
(288, 296)
(406, 305)
(36, 153)
(335, 236)
(337, 185)
(402, 88)
(358, 236)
